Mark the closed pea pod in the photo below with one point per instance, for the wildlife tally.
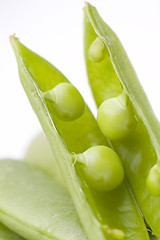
(139, 149)
(35, 206)
(39, 155)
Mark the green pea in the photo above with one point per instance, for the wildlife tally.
(68, 102)
(115, 119)
(97, 50)
(153, 180)
(115, 233)
(102, 168)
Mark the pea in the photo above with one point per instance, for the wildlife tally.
(153, 180)
(115, 119)
(102, 168)
(115, 233)
(68, 102)
(97, 50)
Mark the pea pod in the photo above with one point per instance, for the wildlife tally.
(35, 206)
(7, 234)
(104, 215)
(39, 155)
(139, 148)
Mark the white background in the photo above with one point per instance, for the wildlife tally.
(54, 29)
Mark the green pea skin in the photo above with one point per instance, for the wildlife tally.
(153, 180)
(115, 119)
(68, 102)
(97, 50)
(102, 168)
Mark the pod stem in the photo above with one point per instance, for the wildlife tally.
(79, 158)
(123, 98)
(50, 95)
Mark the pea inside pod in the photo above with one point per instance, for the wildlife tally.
(115, 118)
(97, 50)
(139, 150)
(153, 180)
(102, 168)
(68, 102)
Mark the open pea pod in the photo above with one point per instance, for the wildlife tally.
(35, 206)
(103, 214)
(7, 234)
(125, 116)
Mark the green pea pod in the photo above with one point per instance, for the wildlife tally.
(39, 155)
(35, 206)
(104, 215)
(138, 147)
(6, 234)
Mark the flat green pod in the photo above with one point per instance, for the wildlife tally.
(35, 206)
(103, 215)
(7, 234)
(139, 149)
(39, 155)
